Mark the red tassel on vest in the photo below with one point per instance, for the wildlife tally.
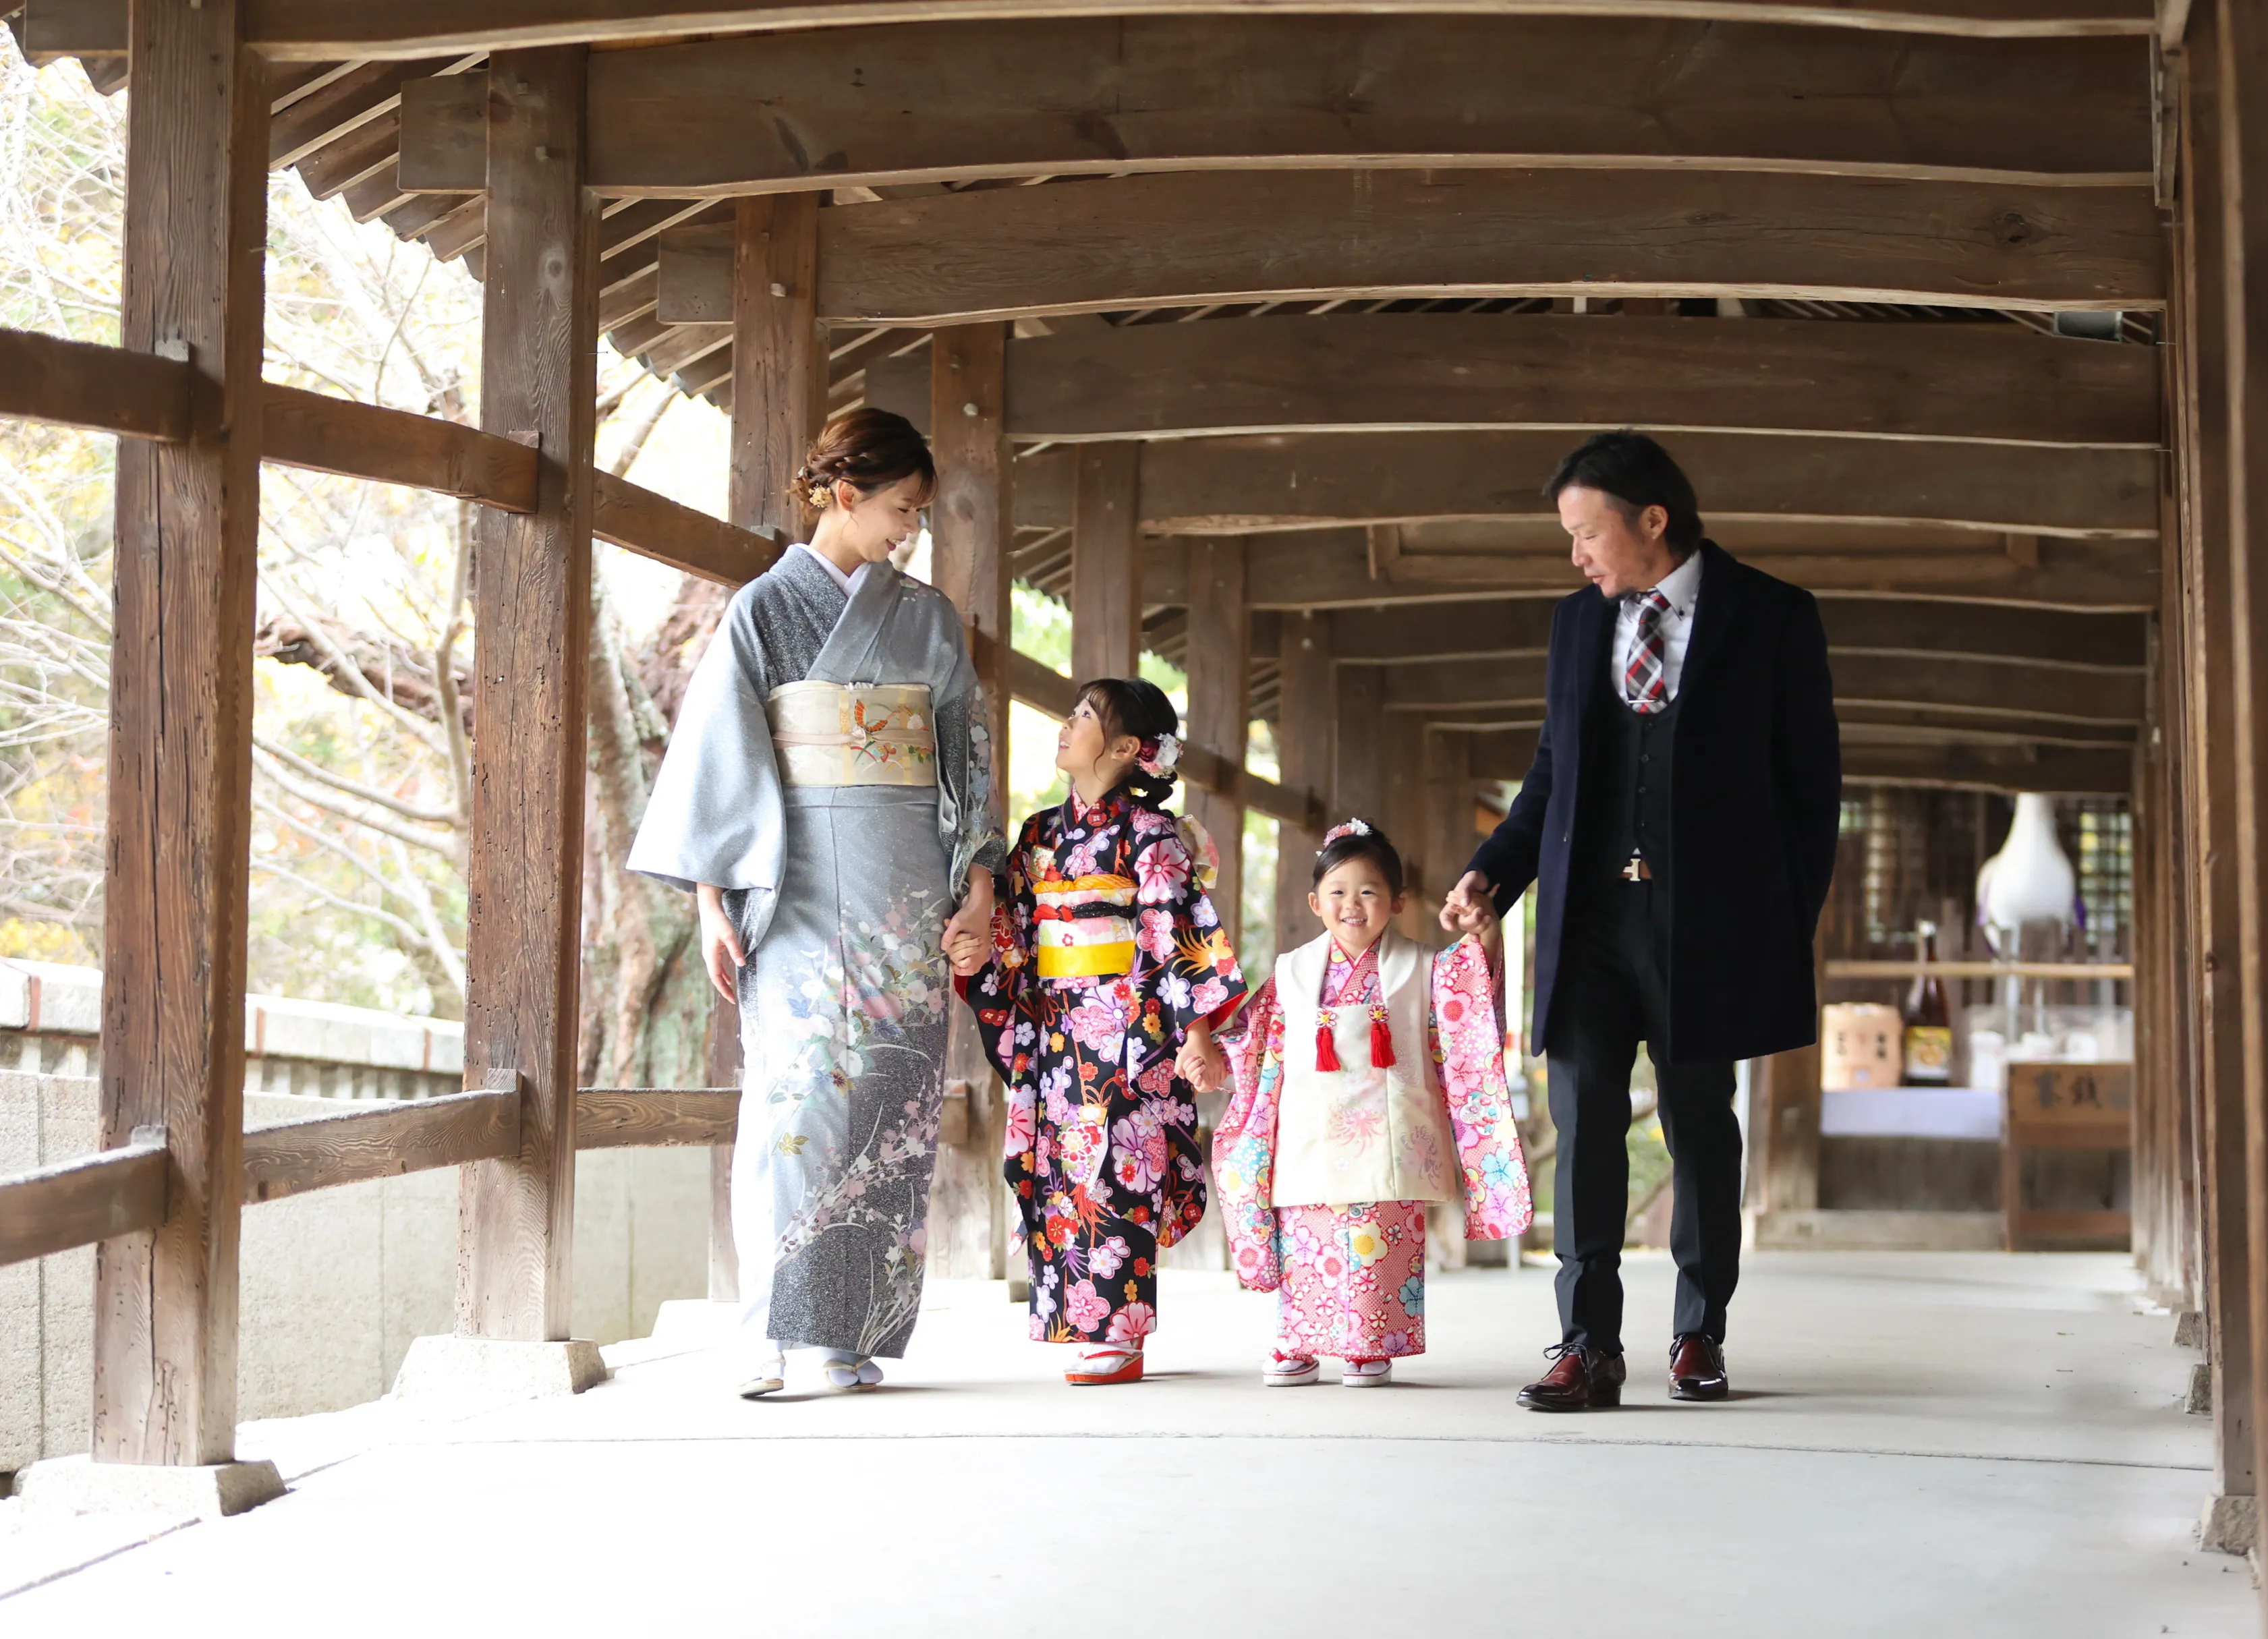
(1381, 1041)
(1327, 1051)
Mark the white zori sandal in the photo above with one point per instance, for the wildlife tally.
(1368, 1374)
(771, 1379)
(845, 1372)
(1289, 1371)
(1106, 1362)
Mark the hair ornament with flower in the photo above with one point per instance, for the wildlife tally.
(1352, 827)
(1159, 756)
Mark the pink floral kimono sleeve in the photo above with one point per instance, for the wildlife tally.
(1244, 1143)
(1468, 1046)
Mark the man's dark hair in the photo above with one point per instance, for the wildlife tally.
(1638, 473)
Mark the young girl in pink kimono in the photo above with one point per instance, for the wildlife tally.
(1369, 1076)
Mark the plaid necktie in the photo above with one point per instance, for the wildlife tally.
(1645, 680)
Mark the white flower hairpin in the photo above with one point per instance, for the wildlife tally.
(1352, 827)
(1160, 754)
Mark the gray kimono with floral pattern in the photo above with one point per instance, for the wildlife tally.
(841, 894)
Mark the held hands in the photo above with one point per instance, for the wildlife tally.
(969, 935)
(1467, 907)
(1201, 1062)
(720, 942)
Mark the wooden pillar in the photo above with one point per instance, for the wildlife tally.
(1357, 744)
(1106, 570)
(2242, 83)
(779, 359)
(533, 600)
(722, 1056)
(180, 738)
(1449, 835)
(1304, 712)
(968, 562)
(2199, 402)
(1403, 752)
(1220, 706)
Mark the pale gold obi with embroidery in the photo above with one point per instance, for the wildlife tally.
(863, 734)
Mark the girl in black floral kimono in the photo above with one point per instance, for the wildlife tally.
(1109, 972)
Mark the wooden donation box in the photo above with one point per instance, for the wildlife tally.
(2064, 1106)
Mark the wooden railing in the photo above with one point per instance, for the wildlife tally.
(1841, 968)
(117, 1192)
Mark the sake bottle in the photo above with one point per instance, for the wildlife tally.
(1928, 1021)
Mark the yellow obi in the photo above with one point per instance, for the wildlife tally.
(1082, 926)
(867, 734)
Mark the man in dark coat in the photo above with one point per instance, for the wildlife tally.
(1679, 822)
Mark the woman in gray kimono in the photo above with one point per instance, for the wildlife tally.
(826, 792)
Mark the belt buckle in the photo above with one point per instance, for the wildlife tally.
(1636, 870)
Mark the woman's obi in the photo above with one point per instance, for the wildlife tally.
(865, 734)
(1082, 926)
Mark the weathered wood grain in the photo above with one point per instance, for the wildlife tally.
(181, 736)
(1106, 587)
(324, 30)
(445, 134)
(1305, 646)
(54, 1209)
(104, 389)
(538, 375)
(1194, 237)
(1250, 483)
(1357, 744)
(655, 527)
(1355, 373)
(1331, 569)
(1106, 95)
(1220, 707)
(324, 434)
(779, 359)
(380, 1140)
(625, 1118)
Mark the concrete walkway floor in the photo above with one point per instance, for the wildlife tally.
(1936, 1446)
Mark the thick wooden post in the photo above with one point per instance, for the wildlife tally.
(779, 361)
(538, 383)
(181, 736)
(1450, 838)
(1304, 712)
(1106, 570)
(1220, 706)
(2243, 83)
(1359, 745)
(968, 562)
(2199, 402)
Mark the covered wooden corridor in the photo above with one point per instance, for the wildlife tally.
(1251, 334)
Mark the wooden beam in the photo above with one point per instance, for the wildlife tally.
(1187, 239)
(1378, 372)
(321, 31)
(655, 527)
(188, 519)
(779, 361)
(1504, 627)
(1331, 569)
(1106, 597)
(104, 389)
(1104, 95)
(76, 1203)
(2062, 771)
(1945, 683)
(319, 433)
(1358, 744)
(537, 364)
(1220, 708)
(1304, 481)
(1305, 696)
(382, 1141)
(621, 1118)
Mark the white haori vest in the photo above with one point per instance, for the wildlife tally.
(1360, 1133)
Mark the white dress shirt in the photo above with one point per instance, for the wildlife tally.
(849, 583)
(1682, 587)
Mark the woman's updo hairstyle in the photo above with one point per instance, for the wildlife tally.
(1136, 706)
(1359, 839)
(868, 447)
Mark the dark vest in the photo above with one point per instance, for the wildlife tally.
(1625, 786)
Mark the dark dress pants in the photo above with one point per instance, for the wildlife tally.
(1614, 994)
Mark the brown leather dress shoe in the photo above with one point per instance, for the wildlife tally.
(1579, 1380)
(1696, 1369)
